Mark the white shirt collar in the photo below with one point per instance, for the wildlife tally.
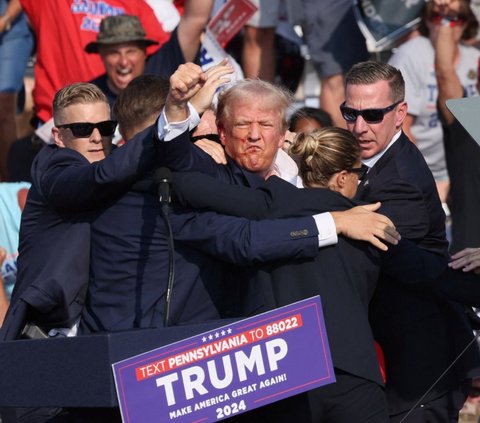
(374, 159)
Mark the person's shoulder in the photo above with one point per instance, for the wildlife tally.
(410, 162)
(415, 47)
(405, 147)
(51, 150)
(100, 81)
(361, 255)
(469, 54)
(51, 155)
(416, 42)
(471, 49)
(401, 160)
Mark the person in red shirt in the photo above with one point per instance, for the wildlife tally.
(61, 58)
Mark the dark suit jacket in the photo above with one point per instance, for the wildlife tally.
(182, 156)
(345, 289)
(343, 275)
(420, 332)
(55, 233)
(130, 266)
(406, 263)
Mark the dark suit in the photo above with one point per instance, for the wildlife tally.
(55, 232)
(344, 275)
(420, 333)
(129, 254)
(406, 262)
(130, 268)
(345, 289)
(328, 274)
(415, 211)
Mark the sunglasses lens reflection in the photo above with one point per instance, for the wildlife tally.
(85, 129)
(369, 115)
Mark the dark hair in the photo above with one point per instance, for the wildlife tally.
(143, 97)
(321, 116)
(465, 12)
(371, 72)
(323, 152)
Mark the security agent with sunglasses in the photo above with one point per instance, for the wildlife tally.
(344, 276)
(129, 248)
(69, 179)
(252, 120)
(420, 333)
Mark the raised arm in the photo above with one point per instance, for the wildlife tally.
(70, 183)
(190, 83)
(11, 12)
(177, 152)
(184, 84)
(409, 264)
(242, 241)
(449, 85)
(193, 22)
(279, 199)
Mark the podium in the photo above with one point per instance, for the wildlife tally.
(77, 372)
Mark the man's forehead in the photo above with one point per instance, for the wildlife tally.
(249, 108)
(87, 110)
(368, 93)
(109, 48)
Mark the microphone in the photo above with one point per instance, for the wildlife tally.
(163, 178)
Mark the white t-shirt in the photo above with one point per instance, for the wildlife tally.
(416, 59)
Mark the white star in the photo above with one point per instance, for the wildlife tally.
(223, 333)
(229, 331)
(217, 335)
(204, 339)
(210, 337)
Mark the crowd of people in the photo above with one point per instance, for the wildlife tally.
(348, 201)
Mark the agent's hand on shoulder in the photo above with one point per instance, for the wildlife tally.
(364, 224)
(467, 260)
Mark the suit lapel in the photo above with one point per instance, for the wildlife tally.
(376, 169)
(247, 178)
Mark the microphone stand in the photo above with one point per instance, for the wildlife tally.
(412, 409)
(163, 178)
(171, 265)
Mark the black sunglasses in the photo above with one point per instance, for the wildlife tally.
(360, 171)
(85, 129)
(368, 115)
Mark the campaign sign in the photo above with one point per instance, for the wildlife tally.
(384, 22)
(229, 370)
(230, 19)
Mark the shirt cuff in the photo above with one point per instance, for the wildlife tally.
(327, 231)
(168, 131)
